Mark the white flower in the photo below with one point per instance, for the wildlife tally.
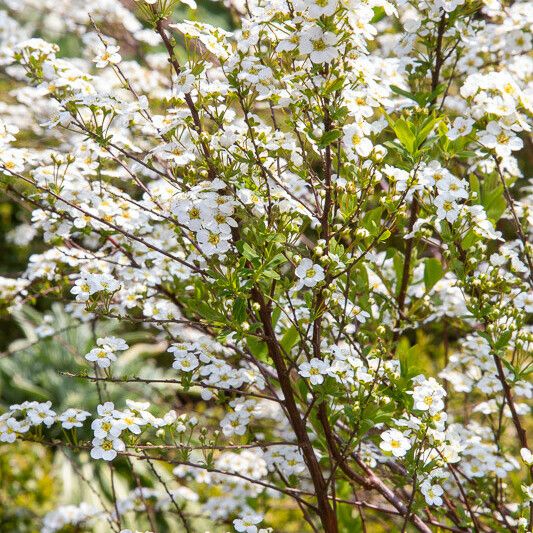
(247, 523)
(234, 424)
(106, 449)
(356, 312)
(10, 427)
(395, 442)
(524, 301)
(73, 418)
(460, 128)
(309, 273)
(318, 45)
(104, 282)
(411, 25)
(447, 207)
(105, 427)
(315, 9)
(355, 139)
(213, 241)
(90, 284)
(108, 56)
(527, 456)
(315, 370)
(453, 187)
(502, 141)
(12, 160)
(7, 133)
(115, 344)
(341, 371)
(105, 409)
(102, 356)
(428, 397)
(432, 493)
(82, 290)
(130, 421)
(186, 363)
(41, 413)
(137, 406)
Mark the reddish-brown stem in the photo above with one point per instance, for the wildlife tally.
(325, 511)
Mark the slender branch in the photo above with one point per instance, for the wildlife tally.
(188, 99)
(327, 517)
(516, 220)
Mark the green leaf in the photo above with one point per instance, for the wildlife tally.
(259, 349)
(432, 272)
(397, 262)
(329, 137)
(333, 85)
(379, 13)
(494, 202)
(433, 95)
(403, 356)
(239, 310)
(276, 261)
(503, 340)
(466, 154)
(403, 92)
(511, 368)
(385, 235)
(426, 129)
(271, 274)
(405, 135)
(474, 183)
(372, 220)
(206, 311)
(249, 252)
(289, 339)
(409, 358)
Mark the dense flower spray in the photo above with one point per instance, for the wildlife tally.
(300, 210)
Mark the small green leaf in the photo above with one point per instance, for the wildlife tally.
(249, 252)
(474, 183)
(329, 137)
(333, 85)
(385, 235)
(432, 272)
(404, 134)
(258, 348)
(503, 340)
(379, 13)
(494, 202)
(239, 310)
(431, 97)
(289, 339)
(276, 261)
(426, 129)
(403, 92)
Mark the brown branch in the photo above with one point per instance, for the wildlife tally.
(188, 99)
(325, 511)
(370, 481)
(406, 266)
(516, 220)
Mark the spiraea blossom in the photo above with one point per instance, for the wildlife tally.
(312, 226)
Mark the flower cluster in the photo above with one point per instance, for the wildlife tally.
(313, 225)
(104, 354)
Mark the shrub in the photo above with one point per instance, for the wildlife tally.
(322, 214)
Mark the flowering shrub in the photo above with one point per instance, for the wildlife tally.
(302, 209)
